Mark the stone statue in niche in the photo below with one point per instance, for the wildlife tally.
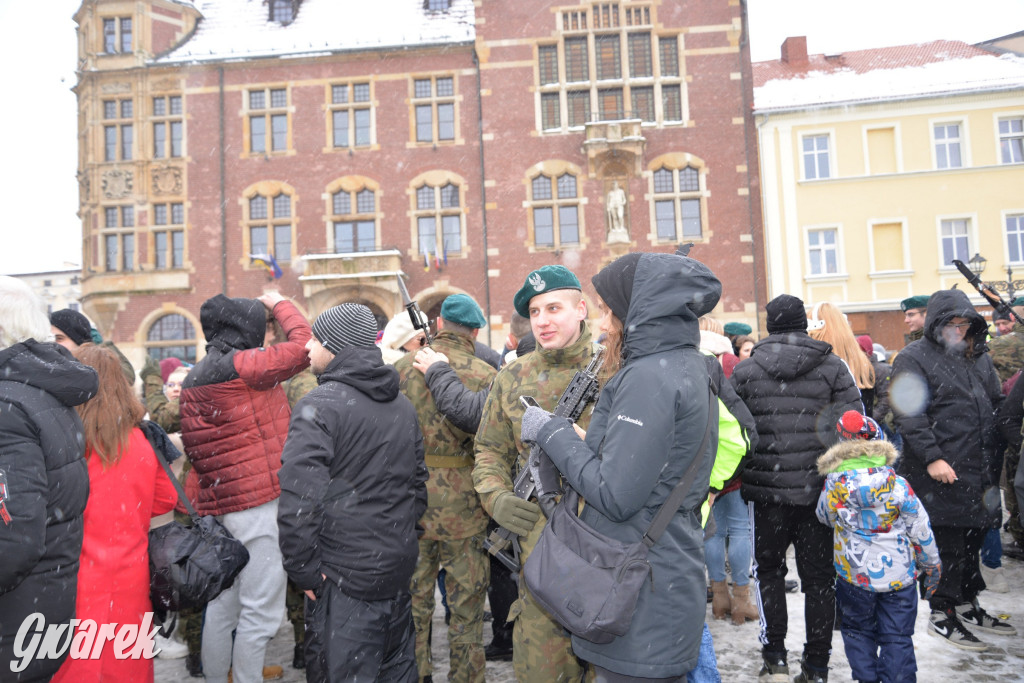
(615, 208)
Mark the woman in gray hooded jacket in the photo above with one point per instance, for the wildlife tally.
(646, 429)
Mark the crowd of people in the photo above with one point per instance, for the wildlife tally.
(364, 470)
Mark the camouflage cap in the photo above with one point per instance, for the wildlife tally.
(541, 281)
(911, 302)
(462, 310)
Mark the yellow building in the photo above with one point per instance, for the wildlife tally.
(880, 167)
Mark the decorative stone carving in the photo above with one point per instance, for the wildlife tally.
(117, 184)
(615, 209)
(83, 186)
(167, 180)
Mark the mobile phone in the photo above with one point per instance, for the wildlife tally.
(528, 401)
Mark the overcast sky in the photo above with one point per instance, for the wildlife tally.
(41, 230)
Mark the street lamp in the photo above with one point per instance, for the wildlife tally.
(1010, 286)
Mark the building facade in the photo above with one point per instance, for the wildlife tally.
(60, 289)
(880, 167)
(458, 144)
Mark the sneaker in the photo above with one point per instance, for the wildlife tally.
(169, 648)
(995, 580)
(980, 620)
(773, 669)
(945, 624)
(811, 675)
(791, 586)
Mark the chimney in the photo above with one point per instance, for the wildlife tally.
(794, 50)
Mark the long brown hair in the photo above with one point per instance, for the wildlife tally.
(838, 333)
(613, 348)
(110, 416)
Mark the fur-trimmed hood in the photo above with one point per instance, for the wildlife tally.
(855, 448)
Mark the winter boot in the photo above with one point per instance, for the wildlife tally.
(774, 668)
(971, 614)
(720, 602)
(742, 610)
(946, 624)
(811, 674)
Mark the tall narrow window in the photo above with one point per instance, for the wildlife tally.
(118, 238)
(609, 64)
(955, 244)
(576, 63)
(677, 204)
(640, 65)
(548, 58)
(351, 114)
(821, 252)
(1015, 237)
(270, 226)
(118, 130)
(434, 108)
(117, 35)
(947, 145)
(816, 157)
(354, 218)
(268, 119)
(438, 220)
(169, 235)
(554, 202)
(168, 127)
(1011, 140)
(549, 111)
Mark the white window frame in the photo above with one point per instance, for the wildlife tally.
(1017, 214)
(837, 248)
(1000, 136)
(972, 237)
(829, 151)
(962, 142)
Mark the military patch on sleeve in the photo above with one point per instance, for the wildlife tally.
(4, 495)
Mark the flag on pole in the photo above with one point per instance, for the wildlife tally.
(437, 257)
(445, 243)
(426, 260)
(269, 262)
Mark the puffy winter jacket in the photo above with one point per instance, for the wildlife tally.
(353, 482)
(796, 389)
(44, 486)
(945, 407)
(234, 413)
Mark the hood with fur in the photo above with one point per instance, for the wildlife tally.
(855, 448)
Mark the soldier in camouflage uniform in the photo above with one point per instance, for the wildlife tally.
(1007, 354)
(552, 299)
(454, 522)
(914, 308)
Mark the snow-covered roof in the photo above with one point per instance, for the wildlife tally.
(241, 29)
(894, 73)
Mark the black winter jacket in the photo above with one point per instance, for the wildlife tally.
(353, 481)
(44, 485)
(945, 404)
(796, 389)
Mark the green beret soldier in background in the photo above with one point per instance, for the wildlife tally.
(734, 330)
(454, 523)
(552, 299)
(914, 308)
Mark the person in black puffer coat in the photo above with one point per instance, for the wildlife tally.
(796, 389)
(944, 395)
(44, 480)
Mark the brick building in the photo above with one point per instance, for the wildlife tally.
(459, 143)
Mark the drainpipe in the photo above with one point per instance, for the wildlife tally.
(223, 191)
(747, 111)
(483, 192)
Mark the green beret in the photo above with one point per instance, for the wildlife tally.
(462, 310)
(1019, 301)
(914, 302)
(738, 328)
(541, 281)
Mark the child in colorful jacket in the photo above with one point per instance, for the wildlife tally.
(883, 540)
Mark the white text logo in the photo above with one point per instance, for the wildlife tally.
(36, 640)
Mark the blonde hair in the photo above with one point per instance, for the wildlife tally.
(710, 324)
(22, 313)
(836, 331)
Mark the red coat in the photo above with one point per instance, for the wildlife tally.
(113, 577)
(234, 419)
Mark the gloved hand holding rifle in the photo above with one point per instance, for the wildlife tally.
(419, 320)
(986, 291)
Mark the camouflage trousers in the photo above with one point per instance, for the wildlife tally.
(541, 648)
(467, 573)
(1013, 525)
(295, 603)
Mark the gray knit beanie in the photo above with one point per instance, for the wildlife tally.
(346, 325)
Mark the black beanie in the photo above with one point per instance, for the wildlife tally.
(614, 284)
(786, 314)
(346, 325)
(72, 323)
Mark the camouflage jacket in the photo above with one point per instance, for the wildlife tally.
(453, 508)
(544, 375)
(164, 412)
(1008, 353)
(298, 386)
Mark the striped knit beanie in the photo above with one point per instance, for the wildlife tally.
(345, 325)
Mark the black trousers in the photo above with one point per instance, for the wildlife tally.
(959, 550)
(348, 639)
(502, 591)
(775, 528)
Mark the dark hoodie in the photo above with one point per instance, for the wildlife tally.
(944, 401)
(353, 482)
(646, 429)
(796, 389)
(44, 485)
(234, 413)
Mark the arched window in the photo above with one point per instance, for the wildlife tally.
(171, 336)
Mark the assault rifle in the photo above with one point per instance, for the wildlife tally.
(419, 320)
(986, 291)
(583, 389)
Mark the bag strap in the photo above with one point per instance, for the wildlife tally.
(675, 499)
(147, 430)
